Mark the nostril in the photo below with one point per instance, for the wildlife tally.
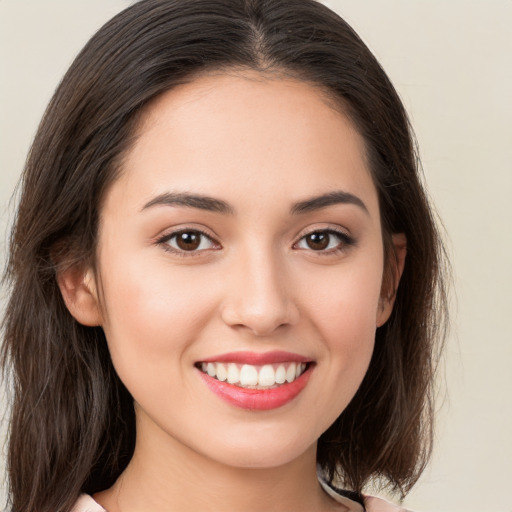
(260, 321)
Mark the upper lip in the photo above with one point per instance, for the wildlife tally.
(257, 359)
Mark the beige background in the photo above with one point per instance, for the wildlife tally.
(451, 62)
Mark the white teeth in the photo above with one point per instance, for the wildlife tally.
(251, 376)
(267, 376)
(290, 373)
(233, 374)
(211, 370)
(248, 375)
(280, 374)
(222, 373)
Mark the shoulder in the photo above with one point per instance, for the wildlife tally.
(354, 503)
(374, 504)
(86, 504)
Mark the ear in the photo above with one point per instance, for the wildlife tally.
(390, 284)
(79, 291)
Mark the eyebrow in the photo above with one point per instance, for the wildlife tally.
(192, 201)
(329, 199)
(219, 206)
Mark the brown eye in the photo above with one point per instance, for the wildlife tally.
(189, 241)
(326, 240)
(318, 241)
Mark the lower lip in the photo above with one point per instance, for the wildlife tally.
(257, 399)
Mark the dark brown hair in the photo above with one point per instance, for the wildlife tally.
(72, 426)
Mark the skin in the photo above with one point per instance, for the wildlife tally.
(261, 144)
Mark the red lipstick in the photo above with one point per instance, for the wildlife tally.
(258, 359)
(257, 397)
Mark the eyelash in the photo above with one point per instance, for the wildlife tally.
(345, 241)
(165, 239)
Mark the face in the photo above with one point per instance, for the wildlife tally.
(239, 271)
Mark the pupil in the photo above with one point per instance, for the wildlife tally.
(318, 241)
(188, 241)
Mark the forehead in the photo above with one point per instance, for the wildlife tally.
(246, 133)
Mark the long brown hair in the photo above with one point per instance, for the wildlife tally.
(72, 426)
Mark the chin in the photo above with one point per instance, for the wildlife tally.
(262, 451)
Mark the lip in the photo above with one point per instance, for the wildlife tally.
(257, 359)
(257, 399)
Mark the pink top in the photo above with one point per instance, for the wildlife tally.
(86, 504)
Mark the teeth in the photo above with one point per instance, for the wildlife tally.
(280, 374)
(222, 373)
(233, 374)
(210, 369)
(250, 376)
(290, 372)
(267, 376)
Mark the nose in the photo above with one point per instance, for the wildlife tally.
(259, 296)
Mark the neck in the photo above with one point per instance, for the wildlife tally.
(164, 476)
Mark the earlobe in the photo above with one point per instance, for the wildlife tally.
(79, 291)
(390, 284)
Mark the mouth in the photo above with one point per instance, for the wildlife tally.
(256, 381)
(248, 376)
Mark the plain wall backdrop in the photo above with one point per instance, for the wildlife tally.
(451, 63)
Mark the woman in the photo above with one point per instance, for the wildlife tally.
(225, 273)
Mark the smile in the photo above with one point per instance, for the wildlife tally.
(250, 376)
(256, 382)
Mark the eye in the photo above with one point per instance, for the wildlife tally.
(327, 240)
(188, 240)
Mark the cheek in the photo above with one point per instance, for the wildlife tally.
(152, 315)
(352, 322)
(343, 302)
(343, 312)
(347, 326)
